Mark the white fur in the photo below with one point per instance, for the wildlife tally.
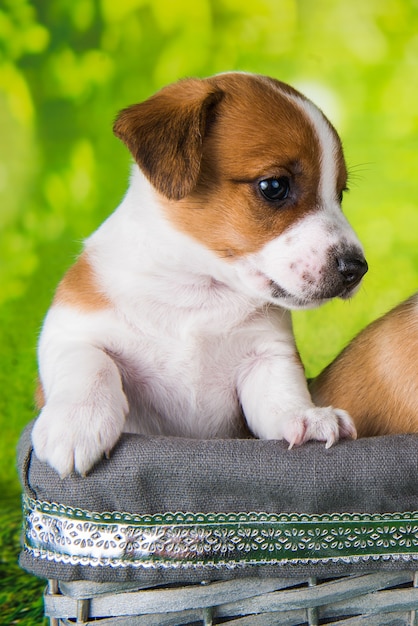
(188, 340)
(328, 150)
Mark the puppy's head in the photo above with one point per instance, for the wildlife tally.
(254, 171)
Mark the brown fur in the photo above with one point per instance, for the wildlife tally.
(375, 378)
(78, 288)
(39, 395)
(204, 146)
(165, 134)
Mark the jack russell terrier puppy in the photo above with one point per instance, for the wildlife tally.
(376, 377)
(175, 318)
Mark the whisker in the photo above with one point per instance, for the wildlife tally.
(355, 172)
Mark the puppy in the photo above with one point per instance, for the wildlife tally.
(376, 377)
(175, 319)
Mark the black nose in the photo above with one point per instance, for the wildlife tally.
(352, 269)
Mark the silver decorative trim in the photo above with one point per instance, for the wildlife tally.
(217, 540)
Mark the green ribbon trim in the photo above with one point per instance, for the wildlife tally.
(182, 540)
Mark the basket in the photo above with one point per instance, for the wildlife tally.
(175, 531)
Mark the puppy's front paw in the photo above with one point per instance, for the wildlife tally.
(75, 436)
(317, 423)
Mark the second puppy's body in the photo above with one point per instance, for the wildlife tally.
(376, 377)
(175, 319)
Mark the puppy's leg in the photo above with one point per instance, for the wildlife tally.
(85, 406)
(277, 405)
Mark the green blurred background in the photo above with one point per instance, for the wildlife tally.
(67, 67)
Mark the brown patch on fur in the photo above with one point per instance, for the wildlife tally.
(205, 144)
(375, 378)
(39, 395)
(165, 134)
(79, 288)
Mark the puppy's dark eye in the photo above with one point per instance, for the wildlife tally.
(340, 194)
(274, 189)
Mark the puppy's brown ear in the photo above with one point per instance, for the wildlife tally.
(165, 134)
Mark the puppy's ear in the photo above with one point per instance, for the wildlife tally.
(165, 134)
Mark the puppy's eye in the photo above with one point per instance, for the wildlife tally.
(274, 189)
(340, 194)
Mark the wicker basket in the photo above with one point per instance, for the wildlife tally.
(369, 599)
(310, 536)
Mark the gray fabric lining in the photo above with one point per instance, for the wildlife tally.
(155, 475)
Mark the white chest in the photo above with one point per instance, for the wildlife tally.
(188, 382)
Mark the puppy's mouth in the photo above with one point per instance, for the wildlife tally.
(314, 298)
(339, 278)
(292, 301)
